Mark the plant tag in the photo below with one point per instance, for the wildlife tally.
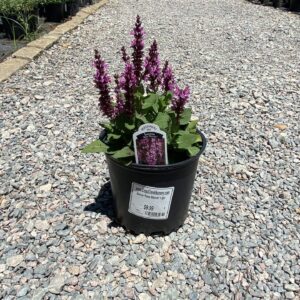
(150, 202)
(150, 145)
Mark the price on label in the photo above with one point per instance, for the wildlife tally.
(150, 202)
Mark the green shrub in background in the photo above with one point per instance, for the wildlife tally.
(14, 7)
(20, 18)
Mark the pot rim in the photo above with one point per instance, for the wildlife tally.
(173, 166)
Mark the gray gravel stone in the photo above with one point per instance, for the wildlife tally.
(23, 291)
(56, 284)
(221, 260)
(39, 294)
(42, 225)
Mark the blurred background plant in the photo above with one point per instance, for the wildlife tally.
(293, 5)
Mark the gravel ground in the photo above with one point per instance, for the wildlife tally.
(241, 238)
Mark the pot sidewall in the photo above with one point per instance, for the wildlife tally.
(181, 176)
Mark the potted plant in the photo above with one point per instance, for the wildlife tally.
(152, 145)
(19, 17)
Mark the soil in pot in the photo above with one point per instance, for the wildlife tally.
(153, 199)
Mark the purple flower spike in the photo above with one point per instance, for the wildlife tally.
(138, 45)
(152, 67)
(125, 57)
(168, 81)
(102, 80)
(120, 105)
(180, 99)
(127, 83)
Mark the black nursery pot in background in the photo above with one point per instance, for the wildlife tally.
(295, 5)
(72, 7)
(55, 12)
(153, 199)
(41, 9)
(1, 25)
(83, 3)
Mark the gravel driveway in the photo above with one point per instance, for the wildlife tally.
(241, 238)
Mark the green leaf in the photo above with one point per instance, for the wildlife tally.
(162, 120)
(192, 125)
(129, 126)
(193, 150)
(124, 152)
(111, 137)
(180, 132)
(139, 92)
(186, 140)
(106, 126)
(164, 101)
(122, 123)
(95, 147)
(141, 118)
(169, 97)
(155, 107)
(185, 116)
(150, 101)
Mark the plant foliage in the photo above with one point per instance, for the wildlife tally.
(144, 93)
(14, 7)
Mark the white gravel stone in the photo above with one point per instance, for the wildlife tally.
(42, 225)
(14, 261)
(102, 226)
(2, 268)
(74, 270)
(140, 239)
(46, 187)
(56, 284)
(144, 296)
(155, 258)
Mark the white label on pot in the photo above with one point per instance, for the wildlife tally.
(150, 202)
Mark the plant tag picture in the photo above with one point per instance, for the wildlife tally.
(150, 202)
(150, 145)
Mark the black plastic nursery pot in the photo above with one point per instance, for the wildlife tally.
(277, 3)
(295, 5)
(41, 9)
(153, 199)
(72, 7)
(1, 25)
(55, 12)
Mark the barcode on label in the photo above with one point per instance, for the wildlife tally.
(154, 214)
